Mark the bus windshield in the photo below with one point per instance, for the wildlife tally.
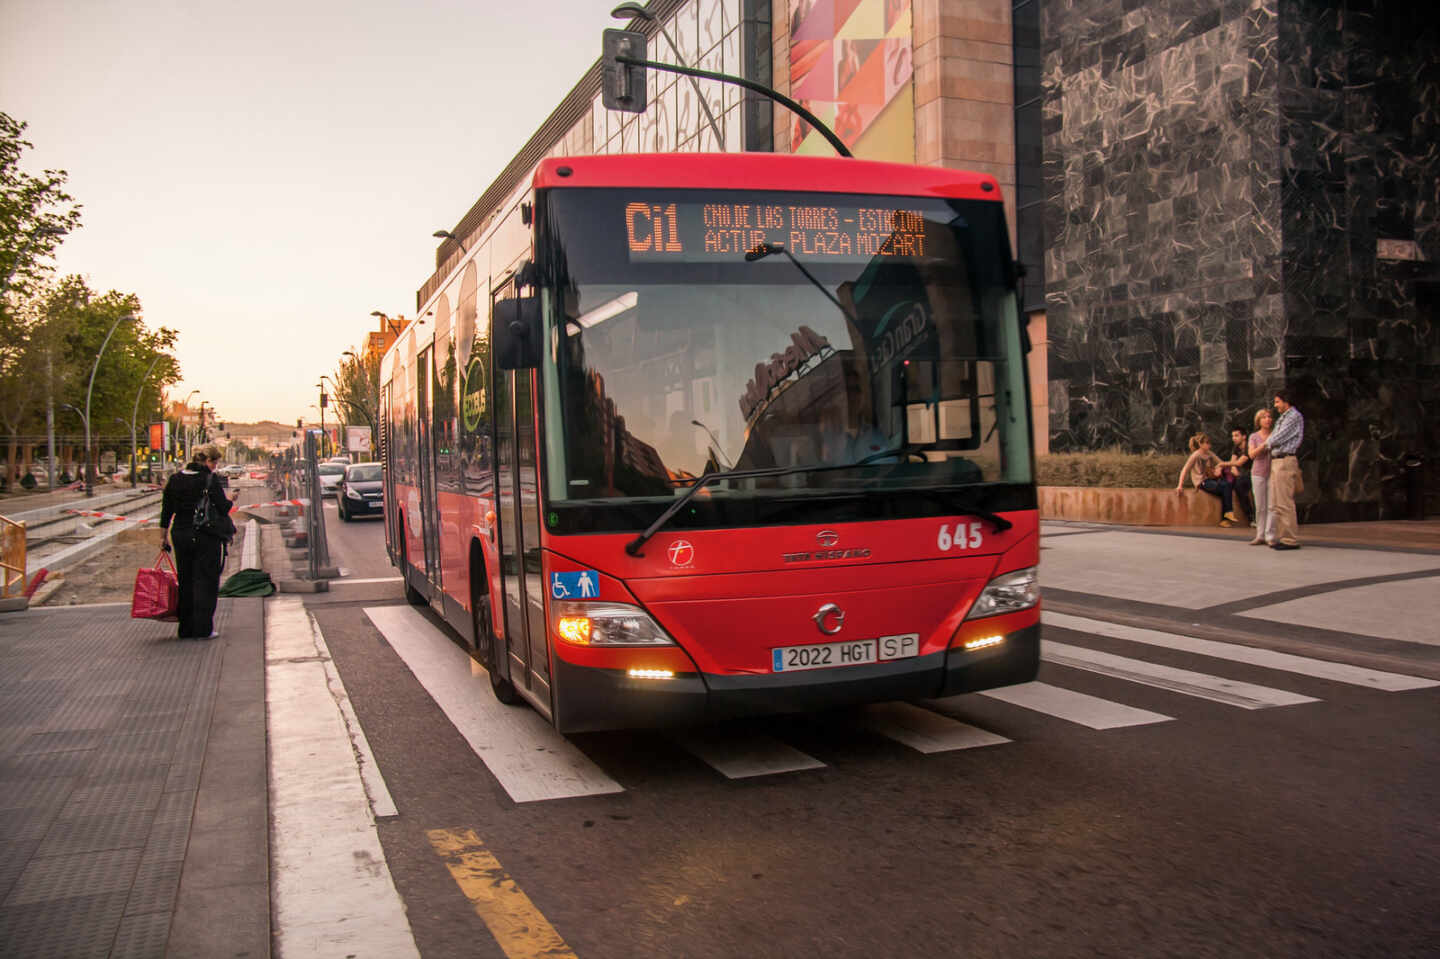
(853, 344)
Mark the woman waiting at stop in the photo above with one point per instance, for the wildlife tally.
(1203, 469)
(197, 554)
(1260, 476)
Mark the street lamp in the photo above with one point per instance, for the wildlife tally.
(389, 323)
(90, 391)
(447, 235)
(20, 256)
(84, 420)
(49, 364)
(135, 412)
(179, 423)
(632, 11)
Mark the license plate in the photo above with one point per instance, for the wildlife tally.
(855, 652)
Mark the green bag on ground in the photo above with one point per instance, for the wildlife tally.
(248, 582)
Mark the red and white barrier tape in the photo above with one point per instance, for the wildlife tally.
(93, 514)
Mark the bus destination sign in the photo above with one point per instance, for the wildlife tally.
(694, 232)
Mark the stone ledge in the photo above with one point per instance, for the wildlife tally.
(1132, 507)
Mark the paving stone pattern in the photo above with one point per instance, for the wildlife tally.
(103, 728)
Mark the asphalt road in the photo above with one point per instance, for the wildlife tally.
(1212, 828)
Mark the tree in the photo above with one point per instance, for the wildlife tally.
(48, 362)
(357, 390)
(35, 212)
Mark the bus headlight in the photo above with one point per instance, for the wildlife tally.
(606, 624)
(1009, 593)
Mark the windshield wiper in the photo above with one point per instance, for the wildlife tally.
(956, 502)
(705, 478)
(947, 499)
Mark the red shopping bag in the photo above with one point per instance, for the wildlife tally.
(157, 591)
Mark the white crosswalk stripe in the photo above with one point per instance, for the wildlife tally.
(1269, 659)
(533, 762)
(924, 730)
(523, 751)
(1231, 692)
(1075, 707)
(741, 756)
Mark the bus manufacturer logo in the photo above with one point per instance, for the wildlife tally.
(829, 619)
(681, 553)
(827, 538)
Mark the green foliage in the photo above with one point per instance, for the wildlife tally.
(357, 389)
(1110, 468)
(35, 211)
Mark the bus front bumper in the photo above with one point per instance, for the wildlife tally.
(590, 699)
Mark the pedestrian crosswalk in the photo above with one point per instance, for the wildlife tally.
(534, 763)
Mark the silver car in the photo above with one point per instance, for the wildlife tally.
(330, 476)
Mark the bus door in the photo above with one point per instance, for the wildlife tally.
(393, 529)
(425, 456)
(518, 508)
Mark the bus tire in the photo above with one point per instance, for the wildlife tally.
(483, 626)
(413, 596)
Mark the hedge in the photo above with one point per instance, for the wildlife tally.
(1110, 468)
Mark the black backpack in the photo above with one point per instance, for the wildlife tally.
(209, 519)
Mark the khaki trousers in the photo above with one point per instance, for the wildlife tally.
(1283, 525)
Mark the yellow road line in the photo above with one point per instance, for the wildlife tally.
(520, 929)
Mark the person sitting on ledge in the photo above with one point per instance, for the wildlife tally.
(1204, 469)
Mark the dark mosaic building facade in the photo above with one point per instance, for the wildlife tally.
(1240, 195)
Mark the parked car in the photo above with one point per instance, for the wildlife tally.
(330, 476)
(360, 491)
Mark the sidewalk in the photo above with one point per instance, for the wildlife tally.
(1409, 535)
(133, 766)
(133, 785)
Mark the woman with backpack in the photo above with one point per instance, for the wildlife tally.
(194, 517)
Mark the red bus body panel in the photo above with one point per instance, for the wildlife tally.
(734, 597)
(764, 171)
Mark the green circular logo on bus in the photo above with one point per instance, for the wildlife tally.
(474, 395)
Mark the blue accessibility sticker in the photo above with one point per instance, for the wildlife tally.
(580, 584)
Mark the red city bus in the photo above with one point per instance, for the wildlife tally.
(695, 436)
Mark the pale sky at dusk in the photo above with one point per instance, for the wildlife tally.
(265, 174)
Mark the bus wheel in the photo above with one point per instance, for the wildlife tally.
(485, 645)
(413, 596)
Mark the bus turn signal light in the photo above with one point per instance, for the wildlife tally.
(574, 629)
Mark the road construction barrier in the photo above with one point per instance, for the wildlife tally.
(278, 502)
(12, 558)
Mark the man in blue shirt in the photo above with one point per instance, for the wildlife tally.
(1284, 443)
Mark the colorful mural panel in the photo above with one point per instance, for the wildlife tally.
(850, 63)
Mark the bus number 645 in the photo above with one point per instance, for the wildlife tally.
(962, 537)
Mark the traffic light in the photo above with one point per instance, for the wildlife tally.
(623, 85)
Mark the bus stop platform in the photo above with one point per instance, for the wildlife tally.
(133, 785)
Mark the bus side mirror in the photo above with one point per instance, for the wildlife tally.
(516, 331)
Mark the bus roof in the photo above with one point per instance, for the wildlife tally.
(763, 171)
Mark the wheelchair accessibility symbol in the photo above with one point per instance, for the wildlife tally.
(581, 584)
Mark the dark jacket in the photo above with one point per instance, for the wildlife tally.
(182, 495)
